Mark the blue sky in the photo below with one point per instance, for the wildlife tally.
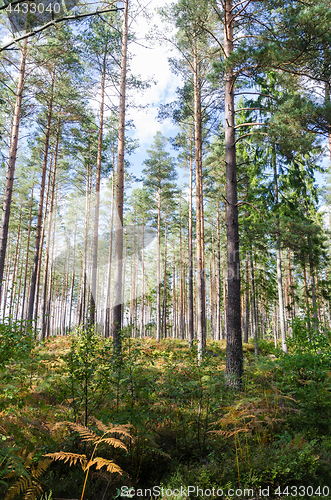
(151, 61)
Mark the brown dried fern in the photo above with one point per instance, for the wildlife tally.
(72, 458)
(103, 462)
(29, 487)
(87, 435)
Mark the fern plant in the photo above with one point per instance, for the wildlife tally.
(248, 418)
(28, 486)
(87, 435)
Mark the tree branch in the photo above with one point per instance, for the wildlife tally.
(246, 124)
(246, 135)
(246, 109)
(251, 205)
(53, 22)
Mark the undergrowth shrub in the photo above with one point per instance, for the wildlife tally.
(16, 341)
(306, 378)
(309, 336)
(173, 404)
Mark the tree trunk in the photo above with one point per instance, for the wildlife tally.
(201, 295)
(43, 226)
(234, 352)
(117, 311)
(313, 285)
(48, 238)
(164, 305)
(11, 165)
(72, 287)
(158, 270)
(142, 317)
(174, 319)
(278, 256)
(327, 99)
(13, 280)
(190, 260)
(181, 284)
(254, 309)
(247, 301)
(110, 255)
(41, 204)
(26, 277)
(93, 298)
(219, 279)
(83, 294)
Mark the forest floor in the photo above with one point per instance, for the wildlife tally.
(270, 440)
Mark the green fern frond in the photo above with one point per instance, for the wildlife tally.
(13, 465)
(72, 458)
(102, 462)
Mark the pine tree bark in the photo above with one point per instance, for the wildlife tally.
(278, 256)
(117, 310)
(234, 352)
(247, 301)
(174, 312)
(13, 280)
(327, 99)
(219, 278)
(158, 270)
(313, 284)
(93, 297)
(110, 256)
(41, 204)
(83, 291)
(201, 294)
(254, 309)
(164, 305)
(26, 277)
(41, 244)
(48, 238)
(11, 164)
(181, 284)
(72, 287)
(142, 312)
(190, 260)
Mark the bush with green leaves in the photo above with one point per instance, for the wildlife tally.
(88, 366)
(309, 335)
(305, 378)
(16, 341)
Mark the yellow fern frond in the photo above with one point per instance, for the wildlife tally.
(85, 433)
(119, 429)
(72, 458)
(116, 443)
(23, 484)
(102, 462)
(41, 468)
(33, 492)
(102, 427)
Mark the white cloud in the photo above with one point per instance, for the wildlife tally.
(151, 61)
